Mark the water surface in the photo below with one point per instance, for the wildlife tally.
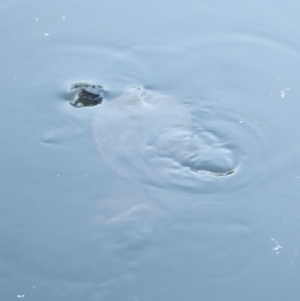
(73, 228)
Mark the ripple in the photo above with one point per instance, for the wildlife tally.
(159, 141)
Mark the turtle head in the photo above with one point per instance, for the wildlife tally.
(87, 95)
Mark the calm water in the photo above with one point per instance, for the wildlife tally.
(122, 223)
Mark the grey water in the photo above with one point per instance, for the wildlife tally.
(111, 202)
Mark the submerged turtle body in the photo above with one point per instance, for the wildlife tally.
(150, 137)
(87, 95)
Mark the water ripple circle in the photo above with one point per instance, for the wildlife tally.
(160, 141)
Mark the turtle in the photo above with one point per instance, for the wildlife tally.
(149, 137)
(87, 95)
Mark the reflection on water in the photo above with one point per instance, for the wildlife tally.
(145, 219)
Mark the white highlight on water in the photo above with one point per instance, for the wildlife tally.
(277, 247)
